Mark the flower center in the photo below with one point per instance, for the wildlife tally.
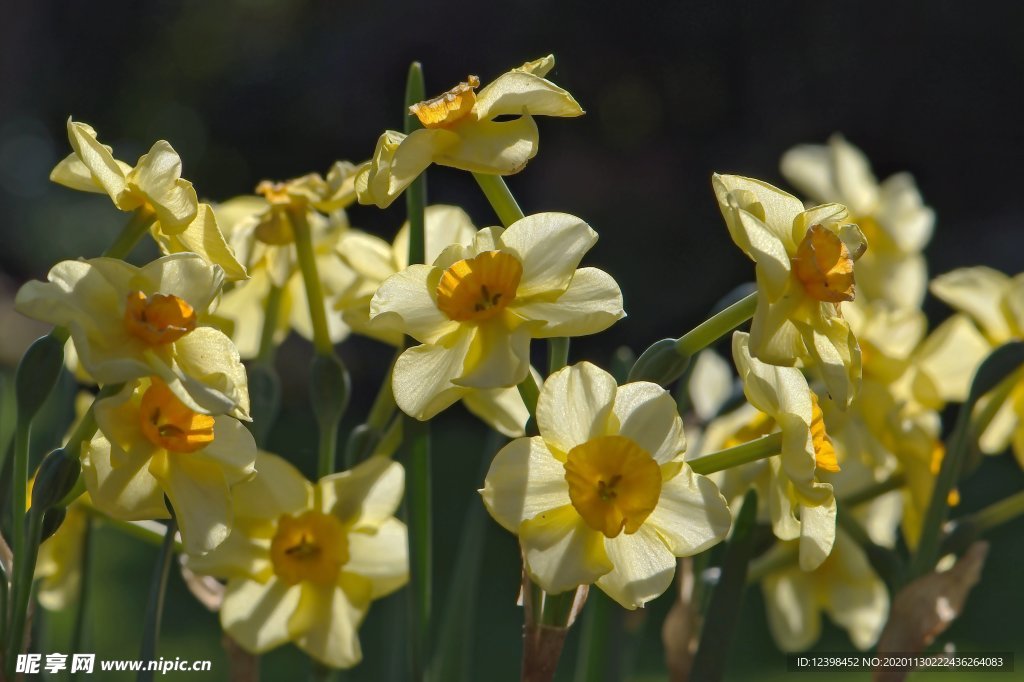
(824, 267)
(824, 452)
(448, 108)
(479, 288)
(614, 484)
(158, 319)
(167, 423)
(310, 547)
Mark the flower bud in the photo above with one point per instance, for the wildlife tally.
(55, 478)
(661, 363)
(37, 374)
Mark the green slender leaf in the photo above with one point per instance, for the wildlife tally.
(724, 609)
(455, 644)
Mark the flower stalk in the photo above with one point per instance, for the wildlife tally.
(760, 448)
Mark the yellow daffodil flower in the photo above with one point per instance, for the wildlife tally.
(150, 444)
(602, 494)
(275, 264)
(305, 560)
(374, 260)
(995, 302)
(128, 323)
(460, 130)
(805, 271)
(154, 185)
(800, 503)
(476, 308)
(845, 587)
(891, 214)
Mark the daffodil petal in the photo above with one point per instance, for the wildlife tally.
(256, 615)
(691, 515)
(422, 377)
(127, 491)
(370, 256)
(644, 568)
(366, 495)
(279, 488)
(591, 304)
(200, 497)
(204, 238)
(443, 225)
(515, 93)
(331, 616)
(404, 303)
(497, 357)
(817, 534)
(500, 408)
(978, 292)
(574, 405)
(561, 552)
(211, 373)
(381, 557)
(492, 147)
(524, 480)
(105, 169)
(793, 616)
(648, 415)
(550, 247)
(233, 449)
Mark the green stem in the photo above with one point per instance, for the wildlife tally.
(938, 505)
(593, 660)
(500, 198)
(418, 433)
(24, 569)
(383, 407)
(155, 605)
(558, 354)
(420, 541)
(82, 612)
(131, 233)
(271, 313)
(996, 398)
(763, 447)
(311, 281)
(20, 483)
(717, 326)
(998, 513)
(530, 393)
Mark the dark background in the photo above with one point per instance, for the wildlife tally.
(253, 89)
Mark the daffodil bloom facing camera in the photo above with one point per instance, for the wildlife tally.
(801, 505)
(805, 271)
(154, 186)
(602, 495)
(891, 214)
(374, 260)
(149, 445)
(461, 130)
(995, 303)
(128, 323)
(305, 560)
(477, 307)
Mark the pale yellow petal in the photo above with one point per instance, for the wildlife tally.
(978, 292)
(106, 171)
(500, 408)
(492, 147)
(157, 175)
(647, 414)
(497, 357)
(422, 378)
(550, 247)
(204, 238)
(381, 557)
(515, 93)
(817, 534)
(574, 406)
(793, 614)
(329, 618)
(365, 496)
(405, 303)
(561, 551)
(524, 480)
(591, 304)
(256, 615)
(643, 568)
(691, 515)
